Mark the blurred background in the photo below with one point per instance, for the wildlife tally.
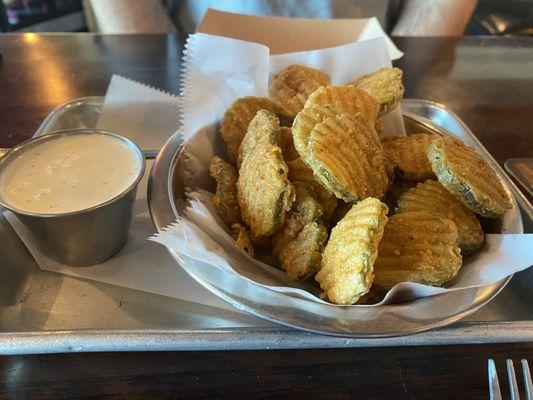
(42, 16)
(490, 17)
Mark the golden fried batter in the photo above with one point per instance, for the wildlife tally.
(263, 188)
(237, 118)
(346, 99)
(417, 247)
(351, 170)
(467, 175)
(300, 243)
(304, 123)
(242, 239)
(293, 85)
(346, 157)
(263, 127)
(385, 85)
(305, 203)
(331, 168)
(347, 270)
(287, 144)
(408, 155)
(300, 172)
(431, 197)
(225, 198)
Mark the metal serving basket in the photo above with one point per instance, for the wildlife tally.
(166, 201)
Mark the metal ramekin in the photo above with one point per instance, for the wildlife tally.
(89, 236)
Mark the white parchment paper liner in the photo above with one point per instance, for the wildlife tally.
(217, 71)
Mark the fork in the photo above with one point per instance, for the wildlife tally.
(494, 384)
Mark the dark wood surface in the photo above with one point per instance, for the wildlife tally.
(488, 82)
(40, 72)
(444, 372)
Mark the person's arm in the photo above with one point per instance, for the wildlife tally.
(434, 18)
(127, 16)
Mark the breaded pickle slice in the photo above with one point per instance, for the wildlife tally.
(431, 197)
(304, 123)
(408, 155)
(287, 144)
(300, 255)
(293, 85)
(328, 102)
(300, 243)
(264, 127)
(346, 99)
(385, 85)
(347, 270)
(264, 192)
(466, 174)
(243, 239)
(300, 172)
(225, 198)
(417, 247)
(346, 157)
(237, 118)
(305, 204)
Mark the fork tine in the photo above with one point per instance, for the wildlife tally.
(527, 379)
(513, 387)
(494, 384)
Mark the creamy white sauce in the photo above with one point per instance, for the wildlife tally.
(70, 173)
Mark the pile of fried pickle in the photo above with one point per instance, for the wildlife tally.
(308, 177)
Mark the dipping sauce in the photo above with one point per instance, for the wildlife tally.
(69, 173)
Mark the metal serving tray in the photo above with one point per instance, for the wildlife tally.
(44, 312)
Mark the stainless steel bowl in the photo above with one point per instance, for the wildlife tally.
(86, 237)
(166, 200)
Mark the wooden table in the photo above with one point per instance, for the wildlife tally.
(487, 81)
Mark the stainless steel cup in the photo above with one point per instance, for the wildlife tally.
(86, 237)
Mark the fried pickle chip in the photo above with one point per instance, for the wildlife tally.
(304, 123)
(417, 247)
(346, 99)
(300, 172)
(287, 145)
(305, 204)
(431, 197)
(300, 243)
(466, 174)
(237, 118)
(225, 198)
(300, 255)
(263, 127)
(347, 271)
(264, 192)
(293, 85)
(346, 157)
(408, 155)
(242, 239)
(330, 102)
(385, 85)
